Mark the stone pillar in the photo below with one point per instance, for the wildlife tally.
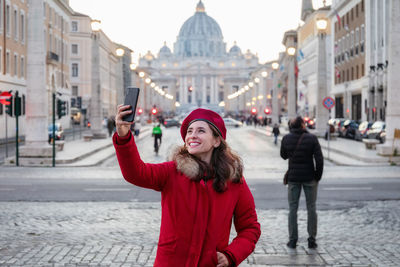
(322, 114)
(36, 150)
(393, 93)
(96, 116)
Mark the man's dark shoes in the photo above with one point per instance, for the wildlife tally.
(311, 243)
(292, 244)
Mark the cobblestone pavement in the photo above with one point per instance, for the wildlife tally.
(126, 234)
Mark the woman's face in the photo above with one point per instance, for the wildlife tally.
(200, 140)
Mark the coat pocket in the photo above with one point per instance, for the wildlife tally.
(167, 246)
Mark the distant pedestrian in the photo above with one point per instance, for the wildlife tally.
(276, 133)
(255, 120)
(110, 125)
(302, 148)
(202, 192)
(137, 127)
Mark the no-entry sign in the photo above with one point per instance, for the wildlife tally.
(4, 97)
(328, 102)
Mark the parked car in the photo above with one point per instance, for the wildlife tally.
(171, 122)
(361, 132)
(340, 127)
(350, 129)
(229, 122)
(59, 133)
(377, 131)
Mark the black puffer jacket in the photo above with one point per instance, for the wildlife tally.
(301, 166)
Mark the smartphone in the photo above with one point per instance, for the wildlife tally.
(131, 98)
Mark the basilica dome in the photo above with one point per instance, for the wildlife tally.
(165, 51)
(200, 36)
(235, 50)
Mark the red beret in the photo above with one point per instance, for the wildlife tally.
(206, 115)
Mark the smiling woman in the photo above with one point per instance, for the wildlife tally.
(202, 190)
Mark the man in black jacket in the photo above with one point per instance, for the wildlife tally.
(302, 173)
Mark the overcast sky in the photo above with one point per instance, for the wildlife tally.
(144, 25)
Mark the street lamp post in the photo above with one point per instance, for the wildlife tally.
(289, 41)
(275, 108)
(96, 102)
(322, 114)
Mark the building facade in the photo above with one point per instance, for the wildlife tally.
(350, 84)
(307, 60)
(199, 72)
(56, 26)
(13, 54)
(81, 65)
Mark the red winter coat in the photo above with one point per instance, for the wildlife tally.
(196, 220)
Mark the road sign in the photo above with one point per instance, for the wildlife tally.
(4, 97)
(328, 102)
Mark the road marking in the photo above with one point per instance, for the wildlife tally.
(7, 189)
(346, 188)
(106, 189)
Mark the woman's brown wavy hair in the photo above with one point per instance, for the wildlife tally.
(225, 165)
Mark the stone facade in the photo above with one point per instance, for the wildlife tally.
(13, 56)
(360, 58)
(81, 64)
(307, 57)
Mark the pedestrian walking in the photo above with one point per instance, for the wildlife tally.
(110, 125)
(302, 148)
(276, 133)
(202, 190)
(137, 127)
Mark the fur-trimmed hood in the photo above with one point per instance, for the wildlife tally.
(189, 166)
(184, 164)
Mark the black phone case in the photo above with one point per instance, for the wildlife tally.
(131, 98)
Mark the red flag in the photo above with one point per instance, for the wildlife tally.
(337, 73)
(338, 17)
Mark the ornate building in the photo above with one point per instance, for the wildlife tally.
(199, 72)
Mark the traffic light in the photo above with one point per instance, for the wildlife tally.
(190, 88)
(61, 108)
(17, 111)
(267, 111)
(154, 111)
(140, 111)
(253, 111)
(9, 107)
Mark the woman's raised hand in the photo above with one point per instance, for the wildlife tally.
(123, 127)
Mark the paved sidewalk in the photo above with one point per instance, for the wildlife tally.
(81, 153)
(126, 234)
(342, 151)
